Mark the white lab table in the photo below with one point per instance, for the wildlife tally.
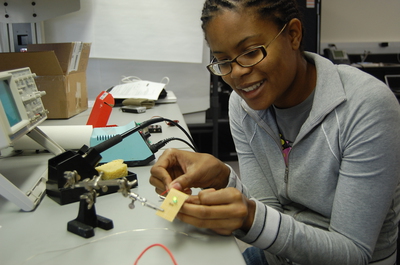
(41, 236)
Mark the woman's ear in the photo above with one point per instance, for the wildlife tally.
(295, 33)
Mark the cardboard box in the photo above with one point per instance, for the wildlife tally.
(61, 72)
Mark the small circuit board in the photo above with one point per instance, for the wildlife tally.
(172, 204)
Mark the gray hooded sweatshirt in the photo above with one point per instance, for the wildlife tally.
(337, 200)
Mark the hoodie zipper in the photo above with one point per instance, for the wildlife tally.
(280, 146)
(286, 180)
(286, 148)
(286, 176)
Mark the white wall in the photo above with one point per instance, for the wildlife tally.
(146, 38)
(354, 25)
(361, 24)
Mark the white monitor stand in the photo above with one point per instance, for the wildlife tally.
(15, 175)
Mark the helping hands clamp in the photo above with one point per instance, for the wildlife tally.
(70, 166)
(91, 185)
(87, 218)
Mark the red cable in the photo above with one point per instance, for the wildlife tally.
(157, 245)
(164, 192)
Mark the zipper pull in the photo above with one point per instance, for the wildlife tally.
(286, 174)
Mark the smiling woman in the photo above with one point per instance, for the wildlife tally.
(318, 173)
(238, 29)
(249, 58)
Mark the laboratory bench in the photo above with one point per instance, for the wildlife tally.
(377, 65)
(41, 237)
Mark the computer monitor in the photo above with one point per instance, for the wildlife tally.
(14, 120)
(21, 111)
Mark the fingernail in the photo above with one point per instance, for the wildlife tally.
(176, 186)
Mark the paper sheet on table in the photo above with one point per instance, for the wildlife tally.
(138, 89)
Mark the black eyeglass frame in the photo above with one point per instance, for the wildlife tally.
(263, 49)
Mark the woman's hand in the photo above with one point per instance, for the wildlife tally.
(222, 211)
(183, 170)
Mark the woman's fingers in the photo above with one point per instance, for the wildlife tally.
(222, 211)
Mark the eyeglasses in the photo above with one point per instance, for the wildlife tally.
(247, 59)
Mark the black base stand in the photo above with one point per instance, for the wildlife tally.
(87, 220)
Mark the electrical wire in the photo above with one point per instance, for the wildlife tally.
(130, 79)
(174, 123)
(94, 241)
(157, 245)
(160, 144)
(101, 147)
(164, 192)
(184, 131)
(165, 78)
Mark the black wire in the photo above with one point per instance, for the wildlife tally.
(194, 147)
(187, 143)
(101, 147)
(157, 146)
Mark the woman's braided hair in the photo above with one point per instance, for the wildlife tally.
(278, 11)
